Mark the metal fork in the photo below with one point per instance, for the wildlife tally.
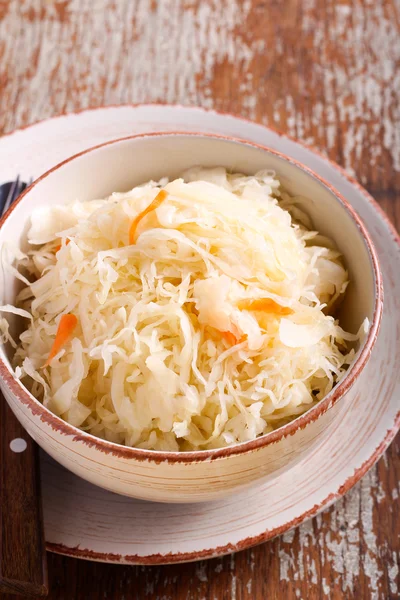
(23, 566)
(9, 192)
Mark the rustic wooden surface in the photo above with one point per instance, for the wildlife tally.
(23, 565)
(325, 71)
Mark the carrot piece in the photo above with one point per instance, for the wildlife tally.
(233, 338)
(265, 305)
(229, 337)
(162, 194)
(57, 248)
(64, 333)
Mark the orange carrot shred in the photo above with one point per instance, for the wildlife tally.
(232, 338)
(229, 337)
(265, 305)
(162, 194)
(64, 333)
(57, 248)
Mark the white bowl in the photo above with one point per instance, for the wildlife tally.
(193, 476)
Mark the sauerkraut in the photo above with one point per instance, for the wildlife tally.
(207, 323)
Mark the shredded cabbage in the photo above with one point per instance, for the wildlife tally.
(165, 355)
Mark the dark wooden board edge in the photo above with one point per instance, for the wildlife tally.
(23, 561)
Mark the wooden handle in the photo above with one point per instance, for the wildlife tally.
(23, 565)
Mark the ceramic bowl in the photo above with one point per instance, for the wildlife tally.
(193, 476)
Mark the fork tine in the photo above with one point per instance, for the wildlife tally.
(12, 194)
(16, 188)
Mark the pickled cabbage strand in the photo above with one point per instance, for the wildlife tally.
(207, 323)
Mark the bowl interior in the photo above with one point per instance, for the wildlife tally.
(120, 165)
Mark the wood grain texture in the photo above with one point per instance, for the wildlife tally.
(325, 71)
(23, 567)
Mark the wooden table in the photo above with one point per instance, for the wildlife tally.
(325, 71)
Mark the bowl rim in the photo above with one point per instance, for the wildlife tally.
(36, 408)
